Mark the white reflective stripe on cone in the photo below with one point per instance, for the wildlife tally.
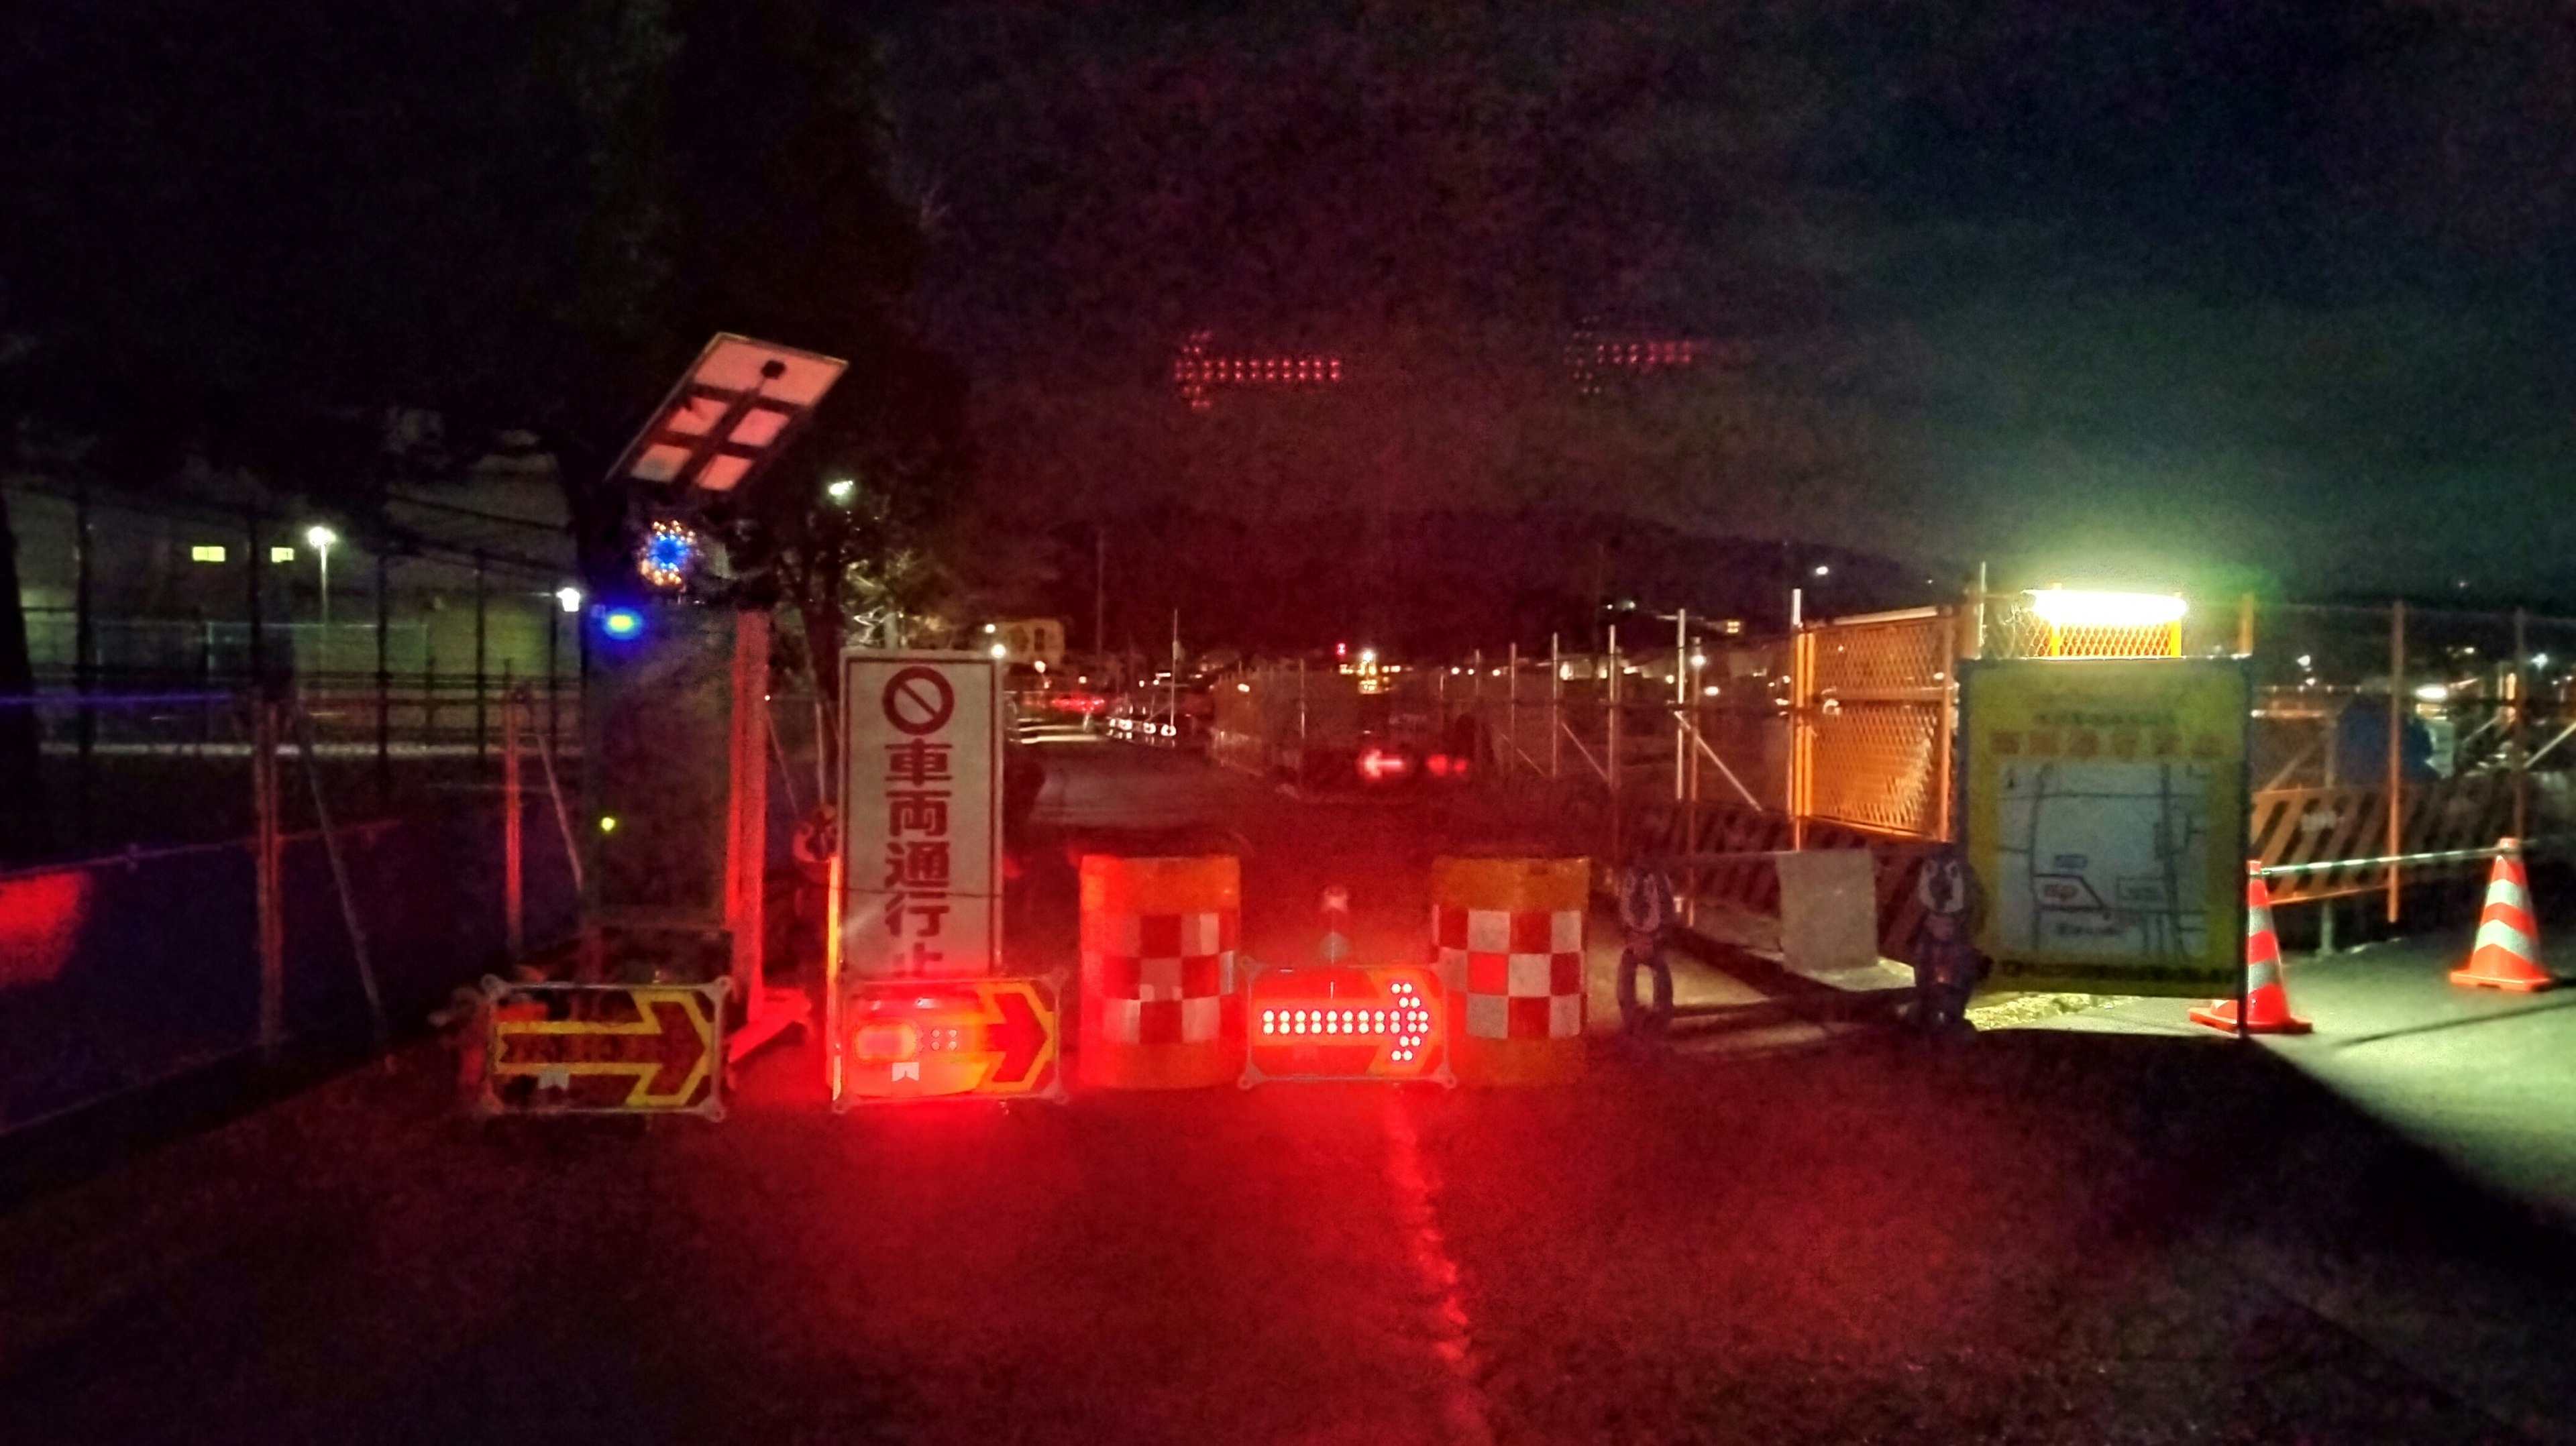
(2497, 934)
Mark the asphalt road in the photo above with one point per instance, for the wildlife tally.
(2066, 1235)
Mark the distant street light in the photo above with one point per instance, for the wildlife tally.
(568, 598)
(321, 538)
(1822, 570)
(842, 491)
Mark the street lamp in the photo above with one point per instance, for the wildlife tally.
(321, 538)
(568, 598)
(842, 490)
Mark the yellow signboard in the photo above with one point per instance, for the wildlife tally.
(2105, 820)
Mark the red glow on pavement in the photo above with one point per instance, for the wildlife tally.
(40, 923)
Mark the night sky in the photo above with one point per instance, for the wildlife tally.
(2198, 295)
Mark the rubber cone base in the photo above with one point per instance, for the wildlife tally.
(2222, 1015)
(2517, 982)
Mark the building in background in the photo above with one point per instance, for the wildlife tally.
(200, 586)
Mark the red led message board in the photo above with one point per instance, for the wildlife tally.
(1320, 1022)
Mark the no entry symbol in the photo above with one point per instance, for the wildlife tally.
(918, 700)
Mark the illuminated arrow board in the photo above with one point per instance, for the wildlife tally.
(1380, 1022)
(604, 1049)
(909, 1039)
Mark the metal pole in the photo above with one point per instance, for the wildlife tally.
(563, 812)
(1512, 708)
(322, 649)
(2521, 687)
(1680, 707)
(513, 880)
(340, 882)
(832, 1042)
(1801, 668)
(1800, 661)
(1977, 642)
(258, 634)
(264, 883)
(554, 682)
(1301, 716)
(822, 750)
(2245, 625)
(2396, 736)
(1613, 763)
(482, 609)
(384, 684)
(1555, 708)
(2326, 907)
(1172, 694)
(84, 654)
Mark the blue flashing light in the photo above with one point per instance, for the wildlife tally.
(668, 556)
(622, 624)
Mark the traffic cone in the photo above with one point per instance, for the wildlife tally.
(2267, 1003)
(2507, 953)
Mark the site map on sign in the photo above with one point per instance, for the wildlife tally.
(2103, 859)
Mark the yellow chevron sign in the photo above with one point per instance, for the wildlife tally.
(618, 1048)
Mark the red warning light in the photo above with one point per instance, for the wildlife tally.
(1343, 1022)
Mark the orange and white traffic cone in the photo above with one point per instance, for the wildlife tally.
(2507, 953)
(2267, 1003)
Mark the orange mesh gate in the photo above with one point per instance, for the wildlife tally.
(1873, 717)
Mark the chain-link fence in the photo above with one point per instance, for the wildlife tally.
(234, 878)
(2378, 729)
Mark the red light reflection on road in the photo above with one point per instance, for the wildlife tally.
(40, 923)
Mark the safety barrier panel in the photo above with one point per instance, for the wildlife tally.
(2336, 838)
(1509, 940)
(1159, 1007)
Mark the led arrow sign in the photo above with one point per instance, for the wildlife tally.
(906, 1039)
(604, 1048)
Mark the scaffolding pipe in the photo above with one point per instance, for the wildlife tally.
(2396, 736)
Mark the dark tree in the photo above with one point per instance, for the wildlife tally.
(242, 239)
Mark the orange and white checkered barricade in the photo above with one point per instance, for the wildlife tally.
(1508, 937)
(1159, 1009)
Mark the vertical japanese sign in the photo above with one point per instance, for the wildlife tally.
(921, 815)
(2105, 820)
